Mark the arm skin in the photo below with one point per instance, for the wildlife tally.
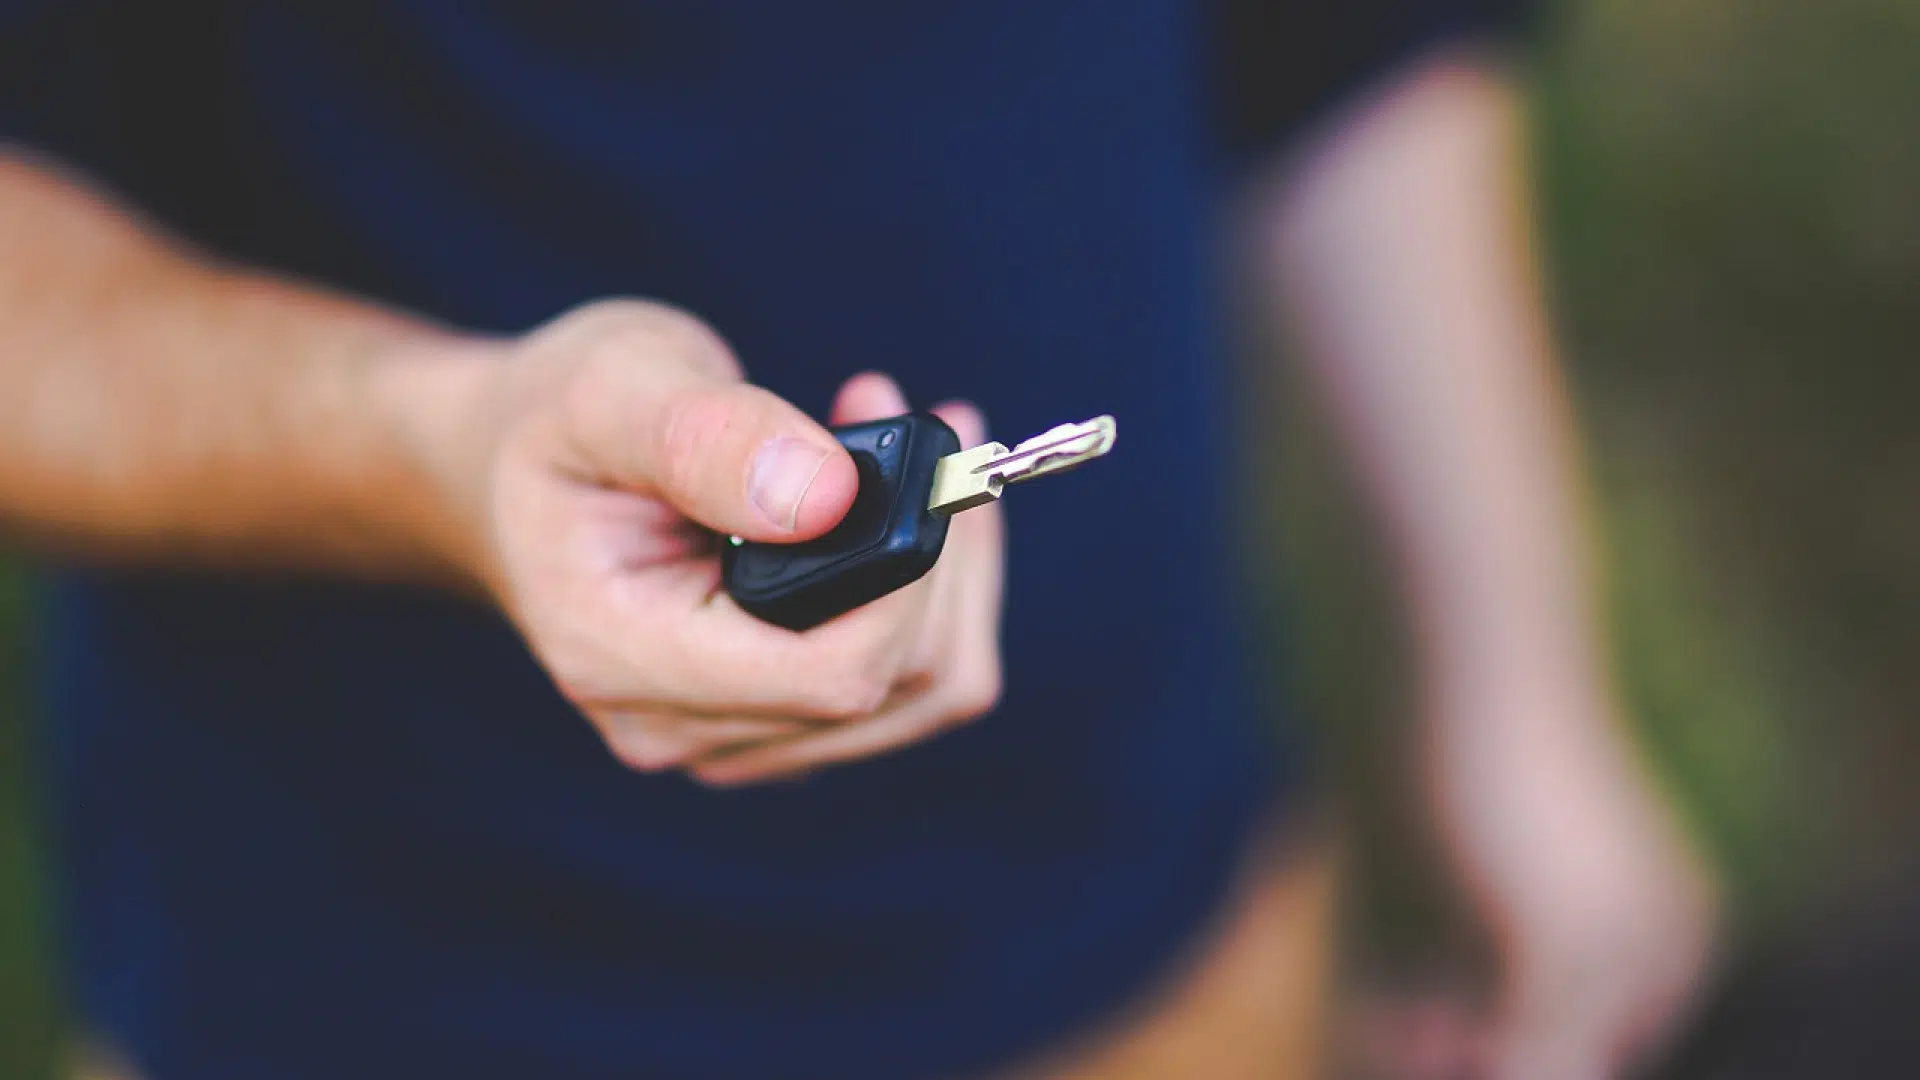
(157, 406)
(1403, 250)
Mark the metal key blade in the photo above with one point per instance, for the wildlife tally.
(977, 475)
(1054, 451)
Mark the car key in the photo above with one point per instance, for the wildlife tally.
(913, 477)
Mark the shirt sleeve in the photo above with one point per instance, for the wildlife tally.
(1281, 63)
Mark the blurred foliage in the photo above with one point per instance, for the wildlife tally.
(1730, 193)
(1736, 250)
(29, 1022)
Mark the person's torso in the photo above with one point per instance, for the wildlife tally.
(317, 828)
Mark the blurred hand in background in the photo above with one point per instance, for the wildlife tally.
(1403, 250)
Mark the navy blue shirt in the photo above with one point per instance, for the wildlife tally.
(319, 829)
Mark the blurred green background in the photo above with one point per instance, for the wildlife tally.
(1732, 193)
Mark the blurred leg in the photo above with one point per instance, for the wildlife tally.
(93, 1062)
(1252, 1006)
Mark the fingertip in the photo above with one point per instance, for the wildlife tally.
(966, 420)
(869, 395)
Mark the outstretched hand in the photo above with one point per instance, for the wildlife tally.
(614, 444)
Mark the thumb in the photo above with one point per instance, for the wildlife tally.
(730, 456)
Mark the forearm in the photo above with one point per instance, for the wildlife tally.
(1407, 250)
(157, 405)
(1406, 254)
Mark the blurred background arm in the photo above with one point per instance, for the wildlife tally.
(1401, 243)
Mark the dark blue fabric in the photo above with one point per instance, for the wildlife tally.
(315, 829)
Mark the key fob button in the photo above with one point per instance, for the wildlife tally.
(888, 539)
(765, 566)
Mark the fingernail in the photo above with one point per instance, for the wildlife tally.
(782, 472)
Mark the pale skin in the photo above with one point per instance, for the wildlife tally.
(157, 406)
(1401, 246)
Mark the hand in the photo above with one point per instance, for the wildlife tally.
(609, 443)
(1602, 915)
(954, 666)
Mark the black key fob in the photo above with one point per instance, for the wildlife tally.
(888, 539)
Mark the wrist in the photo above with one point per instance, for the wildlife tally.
(435, 398)
(1514, 661)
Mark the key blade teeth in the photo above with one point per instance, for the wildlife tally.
(1082, 450)
(1058, 449)
(1090, 438)
(975, 476)
(1104, 431)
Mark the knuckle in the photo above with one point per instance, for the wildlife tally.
(692, 429)
(613, 312)
(601, 325)
(851, 697)
(612, 333)
(929, 659)
(586, 652)
(894, 630)
(880, 660)
(580, 683)
(978, 694)
(619, 314)
(613, 346)
(646, 752)
(576, 689)
(622, 328)
(872, 643)
(694, 341)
